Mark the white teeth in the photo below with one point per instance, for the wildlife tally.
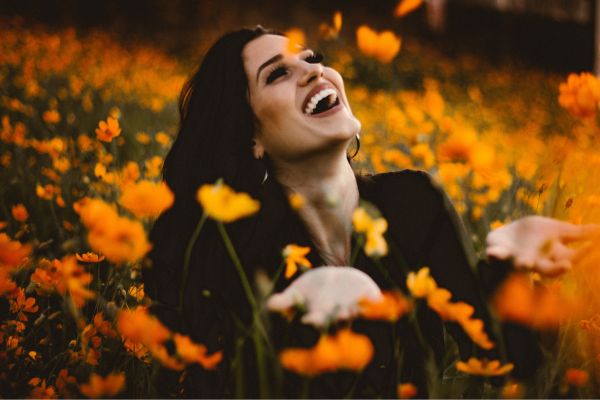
(310, 107)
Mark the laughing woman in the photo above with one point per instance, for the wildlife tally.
(272, 122)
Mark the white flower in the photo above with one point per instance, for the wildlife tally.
(327, 294)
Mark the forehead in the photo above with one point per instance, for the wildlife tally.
(261, 49)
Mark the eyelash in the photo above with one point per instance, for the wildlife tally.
(281, 70)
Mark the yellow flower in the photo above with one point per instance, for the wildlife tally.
(147, 199)
(382, 46)
(375, 245)
(420, 284)
(405, 7)
(220, 202)
(295, 255)
(89, 257)
(19, 212)
(103, 387)
(484, 367)
(406, 390)
(108, 130)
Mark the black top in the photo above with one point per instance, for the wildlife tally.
(423, 230)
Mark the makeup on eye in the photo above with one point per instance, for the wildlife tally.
(281, 69)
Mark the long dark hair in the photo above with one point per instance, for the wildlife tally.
(214, 141)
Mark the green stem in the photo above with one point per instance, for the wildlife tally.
(186, 260)
(257, 324)
(384, 272)
(360, 240)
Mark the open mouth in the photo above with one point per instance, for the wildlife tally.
(322, 101)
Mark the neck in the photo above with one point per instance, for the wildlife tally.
(328, 186)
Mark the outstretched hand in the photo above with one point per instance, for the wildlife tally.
(537, 243)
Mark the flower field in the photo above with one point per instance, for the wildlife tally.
(85, 126)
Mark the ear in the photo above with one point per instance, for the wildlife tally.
(257, 148)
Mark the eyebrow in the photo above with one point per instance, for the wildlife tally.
(270, 61)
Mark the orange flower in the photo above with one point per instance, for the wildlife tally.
(537, 306)
(20, 305)
(382, 46)
(294, 256)
(108, 130)
(137, 292)
(51, 116)
(191, 352)
(391, 307)
(41, 391)
(296, 200)
(147, 199)
(19, 212)
(140, 327)
(405, 7)
(65, 277)
(484, 367)
(373, 228)
(296, 40)
(346, 350)
(162, 138)
(119, 239)
(12, 253)
(576, 377)
(580, 94)
(153, 166)
(89, 257)
(142, 137)
(512, 390)
(406, 391)
(220, 202)
(103, 387)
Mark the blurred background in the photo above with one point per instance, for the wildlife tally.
(556, 35)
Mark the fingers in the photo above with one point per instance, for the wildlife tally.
(571, 232)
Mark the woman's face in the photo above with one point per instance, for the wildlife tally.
(300, 105)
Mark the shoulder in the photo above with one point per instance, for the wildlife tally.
(408, 187)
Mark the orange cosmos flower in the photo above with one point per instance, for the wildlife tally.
(42, 391)
(537, 306)
(406, 391)
(580, 94)
(220, 202)
(382, 46)
(162, 138)
(123, 241)
(140, 327)
(147, 199)
(12, 252)
(19, 212)
(103, 387)
(142, 137)
(89, 257)
(484, 367)
(392, 306)
(153, 166)
(108, 130)
(296, 200)
(65, 277)
(512, 390)
(346, 350)
(296, 40)
(294, 256)
(405, 7)
(191, 352)
(576, 377)
(21, 305)
(51, 116)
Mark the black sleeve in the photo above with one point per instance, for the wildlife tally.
(448, 251)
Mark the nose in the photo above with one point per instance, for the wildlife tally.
(311, 72)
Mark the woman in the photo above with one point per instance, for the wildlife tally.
(273, 121)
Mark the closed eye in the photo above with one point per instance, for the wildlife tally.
(276, 73)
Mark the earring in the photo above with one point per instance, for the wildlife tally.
(357, 137)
